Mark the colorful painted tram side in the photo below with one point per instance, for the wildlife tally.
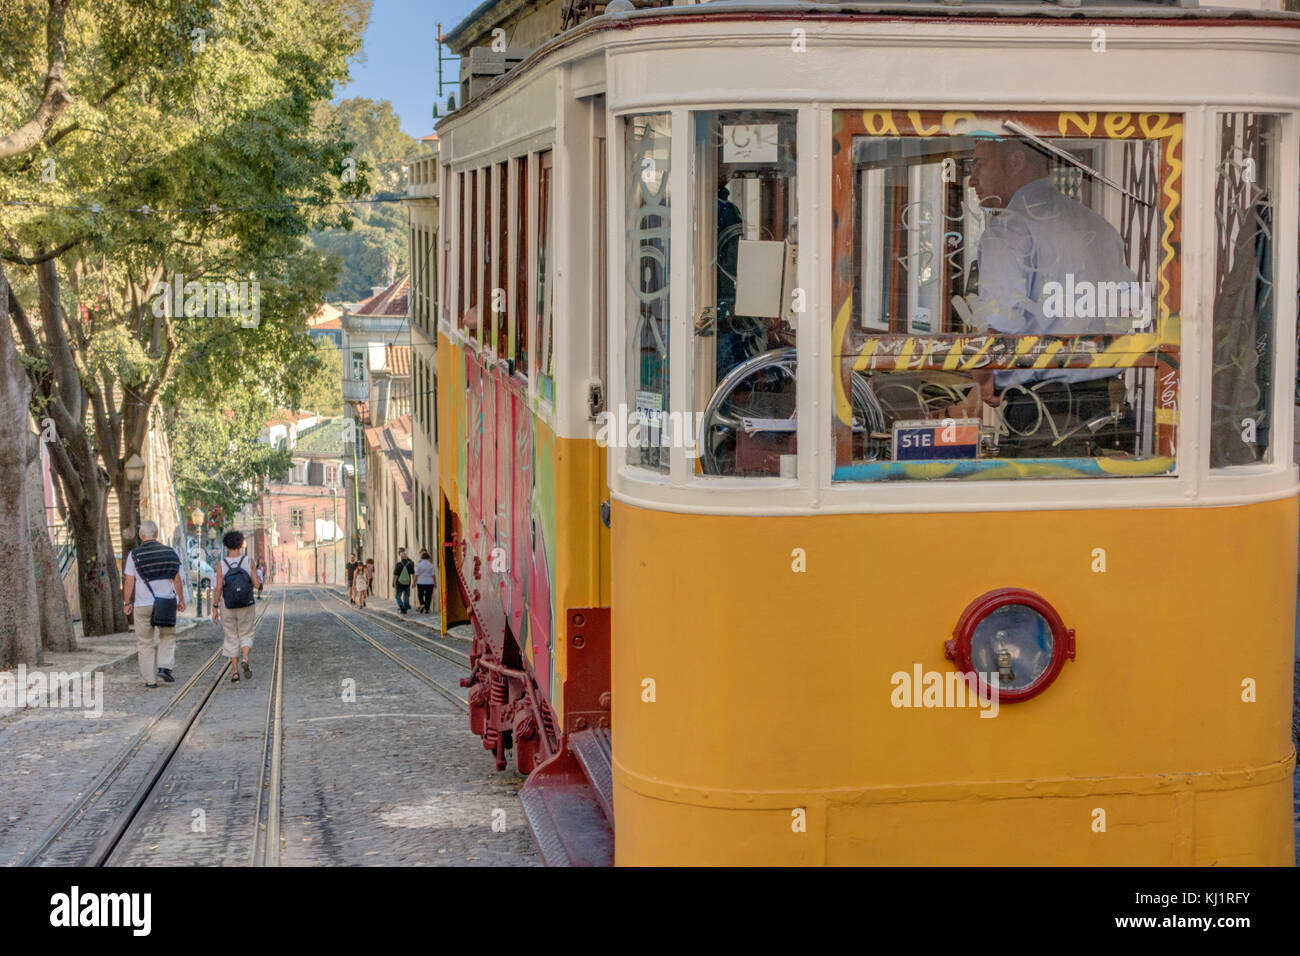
(767, 557)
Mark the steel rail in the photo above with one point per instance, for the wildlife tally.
(108, 843)
(457, 699)
(108, 776)
(430, 644)
(266, 838)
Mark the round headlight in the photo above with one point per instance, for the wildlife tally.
(1016, 635)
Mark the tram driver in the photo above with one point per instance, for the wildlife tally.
(1036, 236)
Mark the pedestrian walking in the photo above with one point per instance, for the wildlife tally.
(354, 561)
(403, 577)
(360, 583)
(424, 572)
(261, 578)
(370, 575)
(152, 589)
(238, 619)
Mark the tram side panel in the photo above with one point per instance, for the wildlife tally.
(765, 725)
(522, 508)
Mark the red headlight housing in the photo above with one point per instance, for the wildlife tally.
(1016, 634)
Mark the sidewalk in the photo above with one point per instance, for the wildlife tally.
(101, 653)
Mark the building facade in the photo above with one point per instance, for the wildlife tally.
(390, 520)
(297, 524)
(422, 194)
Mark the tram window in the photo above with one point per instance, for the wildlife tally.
(502, 263)
(523, 313)
(647, 152)
(1245, 303)
(1005, 294)
(744, 370)
(545, 294)
(474, 255)
(461, 257)
(441, 236)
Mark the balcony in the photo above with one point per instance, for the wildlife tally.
(354, 391)
(422, 178)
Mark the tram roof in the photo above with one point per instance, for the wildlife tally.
(1181, 9)
(1046, 10)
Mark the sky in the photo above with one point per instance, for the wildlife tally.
(401, 50)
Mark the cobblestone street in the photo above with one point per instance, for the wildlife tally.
(378, 767)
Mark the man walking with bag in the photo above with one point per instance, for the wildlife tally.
(152, 588)
(403, 576)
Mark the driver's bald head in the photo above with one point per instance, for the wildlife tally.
(1003, 166)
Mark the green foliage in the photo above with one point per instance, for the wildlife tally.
(323, 392)
(219, 461)
(194, 145)
(376, 241)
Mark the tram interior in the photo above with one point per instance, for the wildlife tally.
(1010, 287)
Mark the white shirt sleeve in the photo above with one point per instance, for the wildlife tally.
(1006, 264)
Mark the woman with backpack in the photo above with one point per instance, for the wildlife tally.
(238, 619)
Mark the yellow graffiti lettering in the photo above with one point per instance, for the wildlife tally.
(879, 122)
(905, 355)
(1118, 125)
(1025, 344)
(864, 357)
(1158, 125)
(1048, 354)
(921, 130)
(951, 119)
(954, 355)
(973, 361)
(1084, 126)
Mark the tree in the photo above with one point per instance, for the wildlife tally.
(375, 245)
(19, 608)
(322, 393)
(190, 149)
(220, 462)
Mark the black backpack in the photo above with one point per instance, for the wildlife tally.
(236, 586)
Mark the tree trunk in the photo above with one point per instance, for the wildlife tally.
(19, 613)
(56, 619)
(95, 581)
(130, 534)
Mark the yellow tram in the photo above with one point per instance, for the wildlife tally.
(865, 431)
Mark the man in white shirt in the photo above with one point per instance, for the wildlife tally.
(1038, 243)
(152, 571)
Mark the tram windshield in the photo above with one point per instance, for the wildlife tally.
(1006, 294)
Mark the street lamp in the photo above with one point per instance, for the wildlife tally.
(197, 519)
(134, 469)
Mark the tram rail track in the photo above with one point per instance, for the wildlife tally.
(431, 644)
(207, 679)
(266, 823)
(459, 700)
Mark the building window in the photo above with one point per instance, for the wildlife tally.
(298, 474)
(296, 519)
(358, 366)
(331, 475)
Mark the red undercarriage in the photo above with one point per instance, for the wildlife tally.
(568, 797)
